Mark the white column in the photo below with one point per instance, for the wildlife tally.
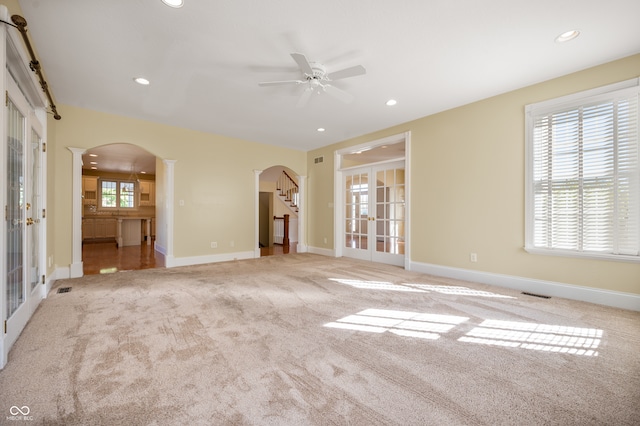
(76, 268)
(256, 214)
(119, 233)
(170, 208)
(302, 235)
(148, 223)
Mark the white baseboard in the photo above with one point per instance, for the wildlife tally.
(321, 251)
(172, 262)
(160, 249)
(76, 270)
(616, 299)
(48, 285)
(61, 273)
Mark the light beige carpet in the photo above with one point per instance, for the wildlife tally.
(310, 340)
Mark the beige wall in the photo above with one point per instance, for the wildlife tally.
(214, 176)
(467, 174)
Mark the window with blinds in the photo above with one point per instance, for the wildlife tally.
(583, 174)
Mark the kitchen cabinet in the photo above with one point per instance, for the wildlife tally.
(88, 229)
(90, 190)
(147, 190)
(99, 228)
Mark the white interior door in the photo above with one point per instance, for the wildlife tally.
(35, 217)
(374, 213)
(23, 214)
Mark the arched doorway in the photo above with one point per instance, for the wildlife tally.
(279, 211)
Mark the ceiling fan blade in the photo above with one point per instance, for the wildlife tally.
(347, 72)
(338, 93)
(302, 62)
(304, 98)
(280, 83)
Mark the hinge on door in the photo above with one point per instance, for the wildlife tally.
(6, 212)
(44, 213)
(5, 326)
(44, 147)
(43, 279)
(6, 98)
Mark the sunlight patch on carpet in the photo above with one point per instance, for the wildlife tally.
(458, 290)
(402, 323)
(539, 337)
(375, 285)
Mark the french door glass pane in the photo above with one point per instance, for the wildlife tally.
(15, 208)
(34, 258)
(390, 211)
(357, 210)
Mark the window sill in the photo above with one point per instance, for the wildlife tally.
(584, 255)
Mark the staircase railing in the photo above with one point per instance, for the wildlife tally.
(288, 189)
(282, 229)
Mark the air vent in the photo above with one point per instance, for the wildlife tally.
(536, 295)
(64, 290)
(319, 159)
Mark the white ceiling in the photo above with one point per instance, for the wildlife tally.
(205, 60)
(119, 158)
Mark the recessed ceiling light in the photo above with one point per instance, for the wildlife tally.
(391, 102)
(566, 36)
(321, 129)
(144, 173)
(93, 162)
(94, 168)
(173, 3)
(141, 80)
(93, 155)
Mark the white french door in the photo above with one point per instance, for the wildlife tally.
(24, 213)
(374, 213)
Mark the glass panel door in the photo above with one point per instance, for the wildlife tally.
(356, 235)
(34, 211)
(375, 213)
(15, 222)
(390, 211)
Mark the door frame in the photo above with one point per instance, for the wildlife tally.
(338, 192)
(14, 324)
(371, 252)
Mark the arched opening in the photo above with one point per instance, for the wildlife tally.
(119, 209)
(280, 202)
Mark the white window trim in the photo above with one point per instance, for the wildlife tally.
(118, 181)
(554, 104)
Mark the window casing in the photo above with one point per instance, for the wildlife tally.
(583, 174)
(117, 194)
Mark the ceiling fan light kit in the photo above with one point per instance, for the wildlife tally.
(316, 79)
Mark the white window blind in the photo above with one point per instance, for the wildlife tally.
(583, 183)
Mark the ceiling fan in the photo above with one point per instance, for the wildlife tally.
(316, 79)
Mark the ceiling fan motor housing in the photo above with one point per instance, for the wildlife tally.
(319, 71)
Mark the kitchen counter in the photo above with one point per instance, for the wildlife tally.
(126, 229)
(130, 230)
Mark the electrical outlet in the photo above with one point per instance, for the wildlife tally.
(214, 244)
(325, 240)
(473, 257)
(232, 243)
